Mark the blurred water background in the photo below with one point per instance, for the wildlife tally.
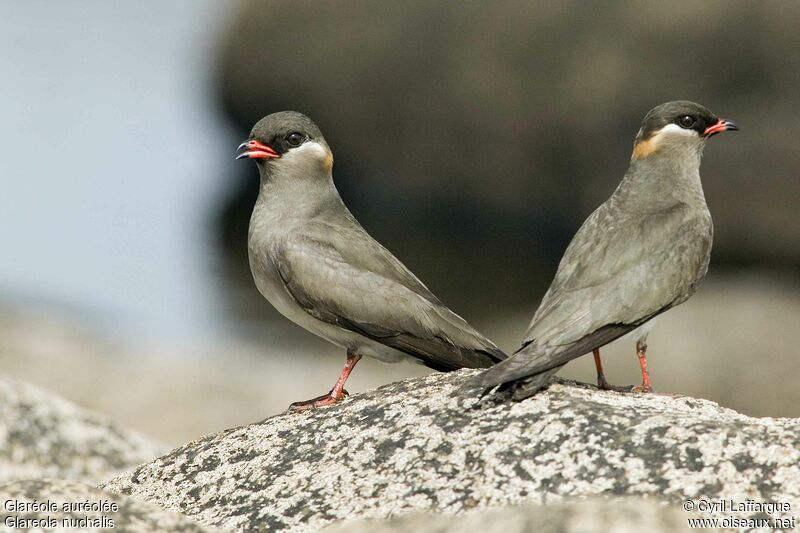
(470, 139)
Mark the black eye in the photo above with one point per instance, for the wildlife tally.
(686, 121)
(295, 139)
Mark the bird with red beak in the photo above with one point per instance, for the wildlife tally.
(316, 265)
(641, 253)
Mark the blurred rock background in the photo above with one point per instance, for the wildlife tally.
(471, 139)
(482, 135)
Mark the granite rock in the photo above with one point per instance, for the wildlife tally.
(89, 509)
(578, 516)
(416, 446)
(45, 436)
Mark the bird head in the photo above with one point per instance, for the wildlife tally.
(287, 140)
(677, 126)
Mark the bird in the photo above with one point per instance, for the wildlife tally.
(639, 254)
(313, 261)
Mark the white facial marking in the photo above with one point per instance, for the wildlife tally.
(307, 149)
(673, 129)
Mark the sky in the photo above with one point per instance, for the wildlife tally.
(111, 156)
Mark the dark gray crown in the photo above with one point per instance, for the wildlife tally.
(672, 113)
(275, 129)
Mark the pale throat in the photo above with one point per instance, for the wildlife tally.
(668, 165)
(673, 145)
(310, 153)
(302, 174)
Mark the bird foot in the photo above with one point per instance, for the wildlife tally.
(602, 384)
(642, 388)
(320, 401)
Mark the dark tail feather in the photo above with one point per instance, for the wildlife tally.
(525, 388)
(521, 388)
(531, 366)
(495, 354)
(468, 358)
(521, 367)
(496, 375)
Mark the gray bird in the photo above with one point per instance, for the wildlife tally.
(315, 263)
(639, 254)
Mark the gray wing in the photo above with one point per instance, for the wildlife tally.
(617, 273)
(343, 277)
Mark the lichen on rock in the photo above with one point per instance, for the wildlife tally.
(42, 435)
(620, 515)
(417, 445)
(87, 509)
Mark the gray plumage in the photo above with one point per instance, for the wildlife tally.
(639, 254)
(315, 263)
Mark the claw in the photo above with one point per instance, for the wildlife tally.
(602, 384)
(336, 394)
(320, 401)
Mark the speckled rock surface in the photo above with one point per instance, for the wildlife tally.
(43, 435)
(417, 446)
(97, 514)
(578, 516)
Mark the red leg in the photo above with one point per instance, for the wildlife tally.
(602, 384)
(337, 393)
(601, 378)
(641, 353)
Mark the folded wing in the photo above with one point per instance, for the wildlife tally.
(363, 288)
(617, 273)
